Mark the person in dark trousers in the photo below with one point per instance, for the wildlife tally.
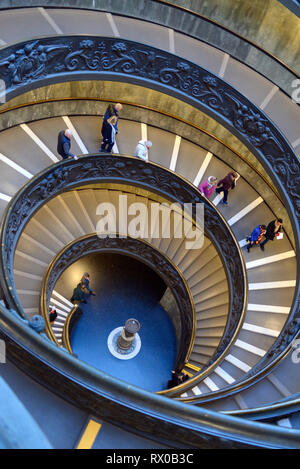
(256, 236)
(226, 184)
(107, 143)
(78, 295)
(177, 378)
(273, 230)
(64, 144)
(85, 283)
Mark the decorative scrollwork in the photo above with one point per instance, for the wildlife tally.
(250, 122)
(52, 182)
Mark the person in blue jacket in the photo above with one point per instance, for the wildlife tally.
(256, 236)
(107, 141)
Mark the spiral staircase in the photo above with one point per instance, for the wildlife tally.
(211, 100)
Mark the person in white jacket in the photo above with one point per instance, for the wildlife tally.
(142, 148)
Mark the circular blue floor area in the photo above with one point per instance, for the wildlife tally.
(125, 288)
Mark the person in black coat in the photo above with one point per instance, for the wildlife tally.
(64, 144)
(85, 283)
(273, 229)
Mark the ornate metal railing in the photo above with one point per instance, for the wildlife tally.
(270, 412)
(142, 251)
(52, 60)
(73, 317)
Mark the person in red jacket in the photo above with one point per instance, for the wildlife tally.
(226, 184)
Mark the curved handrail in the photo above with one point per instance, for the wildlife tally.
(257, 373)
(158, 111)
(142, 251)
(111, 399)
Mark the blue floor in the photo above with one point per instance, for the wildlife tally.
(126, 288)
